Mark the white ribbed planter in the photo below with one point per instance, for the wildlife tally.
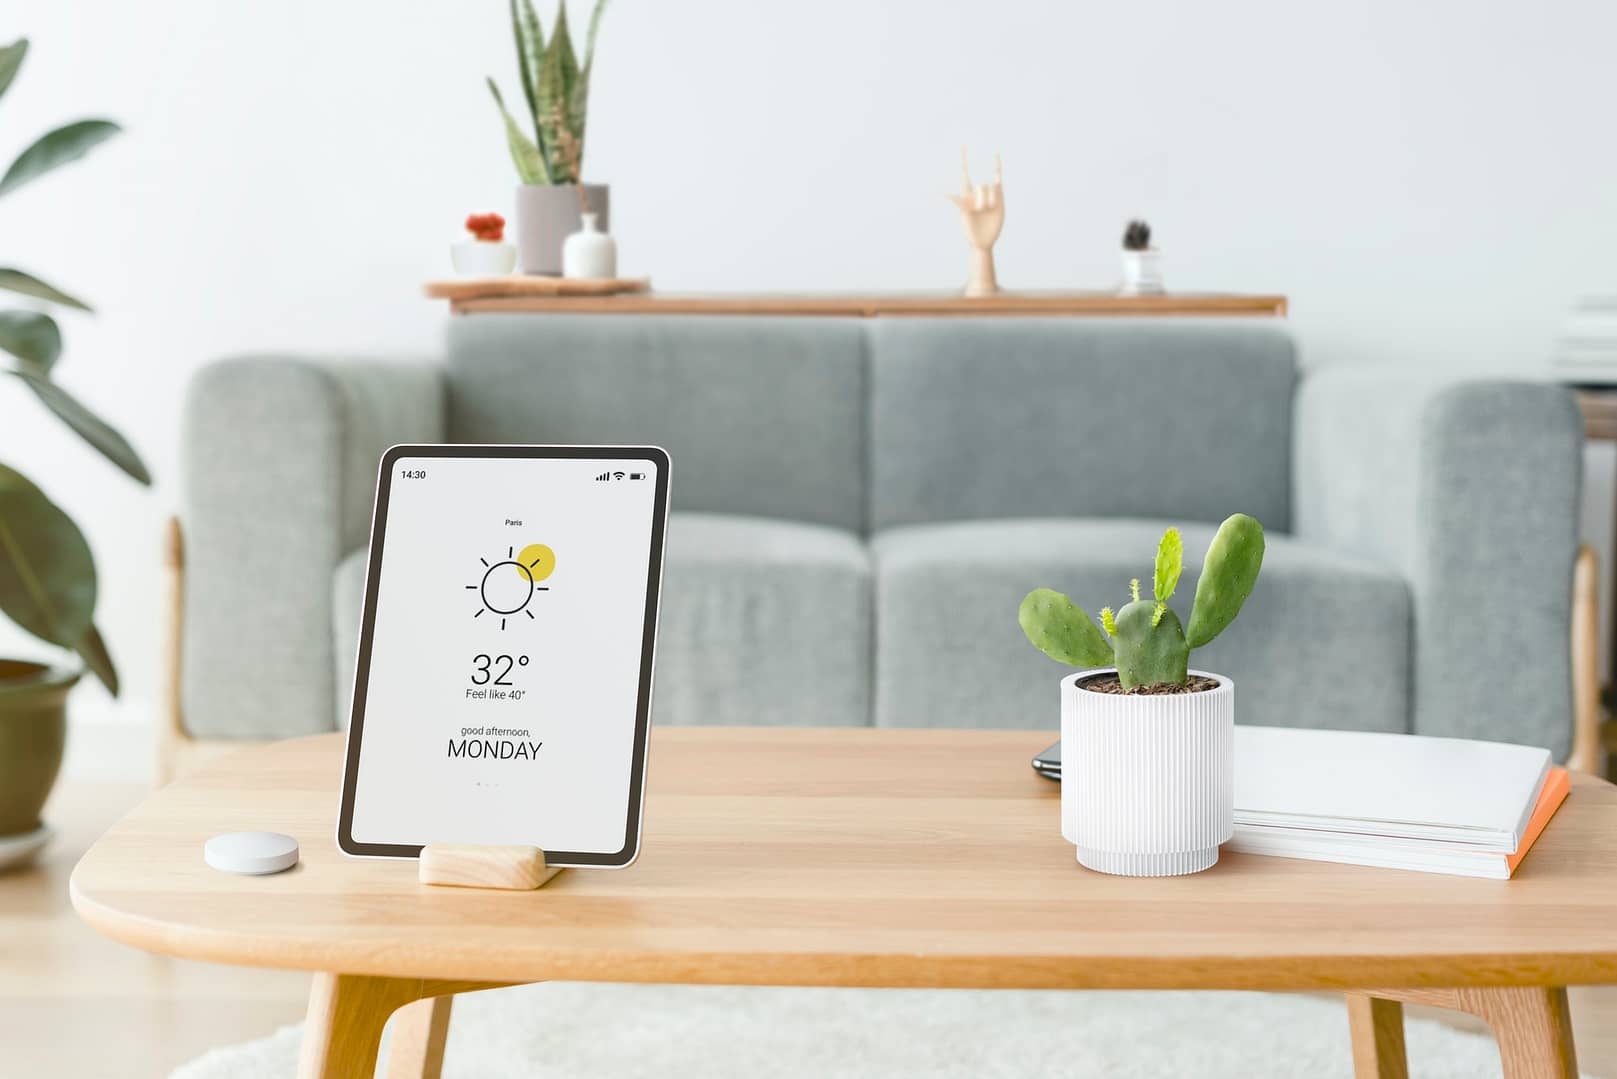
(1147, 782)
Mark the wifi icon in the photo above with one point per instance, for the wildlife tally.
(617, 475)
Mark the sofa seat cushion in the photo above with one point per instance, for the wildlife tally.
(762, 622)
(1324, 640)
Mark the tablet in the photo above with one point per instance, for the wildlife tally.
(502, 691)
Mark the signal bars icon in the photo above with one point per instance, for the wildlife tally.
(603, 477)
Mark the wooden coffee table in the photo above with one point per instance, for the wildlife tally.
(851, 858)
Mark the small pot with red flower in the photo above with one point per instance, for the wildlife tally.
(486, 254)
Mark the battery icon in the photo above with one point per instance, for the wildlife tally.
(637, 475)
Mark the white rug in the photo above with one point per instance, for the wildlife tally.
(655, 1031)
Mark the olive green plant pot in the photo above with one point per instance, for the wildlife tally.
(33, 732)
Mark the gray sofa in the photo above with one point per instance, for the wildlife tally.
(858, 507)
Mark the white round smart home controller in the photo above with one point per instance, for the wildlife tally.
(252, 853)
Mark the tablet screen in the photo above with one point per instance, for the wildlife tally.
(502, 689)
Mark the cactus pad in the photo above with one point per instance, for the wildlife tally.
(1170, 564)
(1228, 574)
(1150, 650)
(1061, 630)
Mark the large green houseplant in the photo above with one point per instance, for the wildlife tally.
(547, 143)
(47, 575)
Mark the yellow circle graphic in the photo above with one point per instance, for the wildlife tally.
(537, 561)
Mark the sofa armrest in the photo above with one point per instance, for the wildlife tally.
(279, 459)
(1471, 489)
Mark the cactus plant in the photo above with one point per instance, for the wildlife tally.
(1145, 640)
(557, 92)
(1137, 236)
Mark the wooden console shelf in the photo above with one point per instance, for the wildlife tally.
(930, 304)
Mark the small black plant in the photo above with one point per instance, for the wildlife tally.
(1137, 237)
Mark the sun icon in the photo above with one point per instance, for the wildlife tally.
(509, 584)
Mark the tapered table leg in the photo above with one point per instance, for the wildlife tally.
(1533, 1027)
(344, 1024)
(347, 1012)
(1377, 1025)
(420, 1031)
(1532, 1024)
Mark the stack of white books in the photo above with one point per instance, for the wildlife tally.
(1587, 351)
(1440, 805)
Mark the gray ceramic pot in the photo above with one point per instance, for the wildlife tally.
(33, 731)
(549, 213)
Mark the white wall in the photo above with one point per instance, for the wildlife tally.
(1431, 183)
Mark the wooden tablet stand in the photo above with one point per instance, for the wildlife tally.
(514, 868)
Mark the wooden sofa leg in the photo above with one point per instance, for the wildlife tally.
(177, 752)
(172, 737)
(1588, 717)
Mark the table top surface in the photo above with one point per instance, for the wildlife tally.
(842, 857)
(517, 293)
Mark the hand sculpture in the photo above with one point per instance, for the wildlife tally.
(982, 212)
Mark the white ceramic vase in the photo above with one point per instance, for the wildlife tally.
(1142, 273)
(1148, 781)
(589, 253)
(480, 258)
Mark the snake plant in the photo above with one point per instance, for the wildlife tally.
(47, 574)
(557, 92)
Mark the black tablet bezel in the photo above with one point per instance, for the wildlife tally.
(637, 778)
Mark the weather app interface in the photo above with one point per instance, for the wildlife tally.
(504, 676)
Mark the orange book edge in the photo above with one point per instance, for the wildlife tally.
(1556, 788)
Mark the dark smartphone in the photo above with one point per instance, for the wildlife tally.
(1048, 763)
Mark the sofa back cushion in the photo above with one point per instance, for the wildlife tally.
(763, 417)
(975, 418)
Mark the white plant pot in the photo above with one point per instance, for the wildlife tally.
(480, 258)
(1142, 273)
(549, 213)
(1147, 782)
